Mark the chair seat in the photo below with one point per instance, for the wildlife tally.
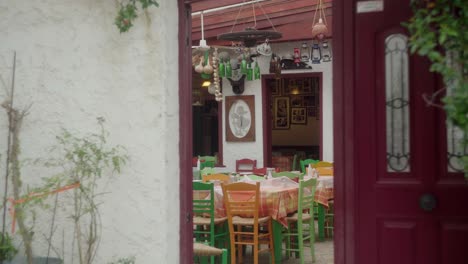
(294, 217)
(200, 249)
(200, 220)
(237, 220)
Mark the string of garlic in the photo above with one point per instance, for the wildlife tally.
(215, 62)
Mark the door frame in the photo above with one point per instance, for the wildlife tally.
(345, 183)
(266, 113)
(343, 132)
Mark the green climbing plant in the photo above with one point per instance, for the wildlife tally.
(128, 12)
(439, 31)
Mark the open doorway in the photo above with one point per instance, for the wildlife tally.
(293, 123)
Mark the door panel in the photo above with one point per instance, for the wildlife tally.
(401, 152)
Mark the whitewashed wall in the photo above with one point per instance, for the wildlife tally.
(254, 150)
(73, 66)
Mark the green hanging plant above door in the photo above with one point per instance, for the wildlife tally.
(439, 31)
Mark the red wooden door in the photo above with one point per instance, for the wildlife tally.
(401, 152)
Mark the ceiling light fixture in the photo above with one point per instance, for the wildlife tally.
(250, 35)
(206, 84)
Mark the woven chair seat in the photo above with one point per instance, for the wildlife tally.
(200, 220)
(237, 220)
(294, 217)
(203, 250)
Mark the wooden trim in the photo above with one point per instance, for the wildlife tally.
(185, 135)
(343, 132)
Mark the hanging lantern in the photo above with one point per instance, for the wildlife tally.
(305, 52)
(320, 29)
(326, 52)
(316, 54)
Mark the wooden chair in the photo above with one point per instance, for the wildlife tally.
(260, 171)
(305, 163)
(208, 228)
(242, 201)
(207, 161)
(321, 164)
(301, 225)
(325, 171)
(216, 177)
(201, 250)
(207, 171)
(245, 165)
(290, 175)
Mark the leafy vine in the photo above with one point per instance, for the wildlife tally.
(128, 12)
(439, 31)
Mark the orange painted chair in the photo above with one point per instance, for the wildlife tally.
(322, 164)
(325, 171)
(215, 177)
(242, 201)
(245, 165)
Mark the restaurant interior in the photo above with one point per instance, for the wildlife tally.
(262, 111)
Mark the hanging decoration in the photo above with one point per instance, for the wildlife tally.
(250, 36)
(320, 29)
(217, 92)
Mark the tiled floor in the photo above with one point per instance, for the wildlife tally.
(323, 255)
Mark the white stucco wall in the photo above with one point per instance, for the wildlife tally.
(254, 150)
(73, 66)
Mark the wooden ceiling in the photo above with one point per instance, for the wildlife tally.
(293, 18)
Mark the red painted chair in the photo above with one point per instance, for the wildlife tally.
(259, 171)
(245, 165)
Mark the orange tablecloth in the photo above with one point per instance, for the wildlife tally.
(322, 195)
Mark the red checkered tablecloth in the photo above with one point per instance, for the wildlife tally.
(323, 195)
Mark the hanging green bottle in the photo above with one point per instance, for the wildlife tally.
(256, 71)
(249, 72)
(243, 65)
(228, 69)
(222, 69)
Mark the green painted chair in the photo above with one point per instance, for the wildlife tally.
(301, 225)
(201, 251)
(290, 175)
(207, 171)
(207, 162)
(305, 163)
(208, 229)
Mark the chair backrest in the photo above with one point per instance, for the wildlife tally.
(290, 175)
(325, 171)
(245, 165)
(260, 171)
(203, 199)
(322, 164)
(306, 162)
(306, 195)
(207, 171)
(242, 199)
(216, 177)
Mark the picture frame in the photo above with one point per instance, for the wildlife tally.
(240, 118)
(275, 86)
(299, 115)
(297, 101)
(311, 112)
(281, 108)
(307, 87)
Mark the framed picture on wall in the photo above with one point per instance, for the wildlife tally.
(298, 115)
(297, 101)
(311, 111)
(275, 85)
(309, 100)
(240, 118)
(307, 88)
(281, 113)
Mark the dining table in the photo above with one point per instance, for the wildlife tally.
(278, 198)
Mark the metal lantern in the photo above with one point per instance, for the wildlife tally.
(305, 52)
(316, 54)
(326, 52)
